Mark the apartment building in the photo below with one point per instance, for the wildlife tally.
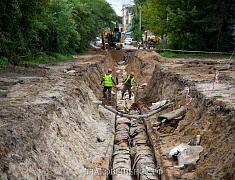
(126, 17)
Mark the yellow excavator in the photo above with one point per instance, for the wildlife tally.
(112, 39)
(149, 40)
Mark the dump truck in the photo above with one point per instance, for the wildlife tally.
(112, 39)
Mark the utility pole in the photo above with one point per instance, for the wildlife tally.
(234, 46)
(140, 18)
(234, 52)
(233, 34)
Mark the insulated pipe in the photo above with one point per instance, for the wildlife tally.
(156, 111)
(132, 155)
(132, 116)
(172, 115)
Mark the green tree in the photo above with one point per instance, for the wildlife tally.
(216, 21)
(58, 33)
(190, 24)
(19, 27)
(52, 26)
(91, 16)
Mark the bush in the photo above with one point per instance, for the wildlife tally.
(3, 62)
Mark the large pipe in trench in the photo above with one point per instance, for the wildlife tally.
(133, 116)
(132, 155)
(171, 115)
(143, 157)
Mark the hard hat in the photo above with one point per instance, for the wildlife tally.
(110, 70)
(132, 73)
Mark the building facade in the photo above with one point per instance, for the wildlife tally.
(126, 17)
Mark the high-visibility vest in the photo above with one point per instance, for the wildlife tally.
(108, 80)
(132, 80)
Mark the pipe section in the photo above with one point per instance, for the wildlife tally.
(143, 157)
(132, 116)
(121, 156)
(132, 158)
(171, 115)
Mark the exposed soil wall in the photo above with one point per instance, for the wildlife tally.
(210, 117)
(50, 128)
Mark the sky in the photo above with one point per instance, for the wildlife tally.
(117, 5)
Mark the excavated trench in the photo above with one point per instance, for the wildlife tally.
(200, 117)
(133, 157)
(51, 127)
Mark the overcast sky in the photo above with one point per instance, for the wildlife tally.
(117, 5)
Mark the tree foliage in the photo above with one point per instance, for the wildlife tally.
(51, 26)
(18, 26)
(191, 24)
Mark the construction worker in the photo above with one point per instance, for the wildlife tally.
(128, 84)
(138, 45)
(108, 84)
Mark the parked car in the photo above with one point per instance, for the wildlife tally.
(98, 42)
(128, 41)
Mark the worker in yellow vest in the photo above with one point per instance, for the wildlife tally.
(108, 84)
(128, 84)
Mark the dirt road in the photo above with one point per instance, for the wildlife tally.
(51, 129)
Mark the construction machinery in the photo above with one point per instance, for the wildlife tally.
(112, 39)
(149, 40)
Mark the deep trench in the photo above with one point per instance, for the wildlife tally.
(165, 85)
(133, 157)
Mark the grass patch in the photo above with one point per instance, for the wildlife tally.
(60, 57)
(44, 59)
(4, 88)
(169, 54)
(3, 62)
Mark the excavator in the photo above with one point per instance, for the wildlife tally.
(112, 39)
(149, 40)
